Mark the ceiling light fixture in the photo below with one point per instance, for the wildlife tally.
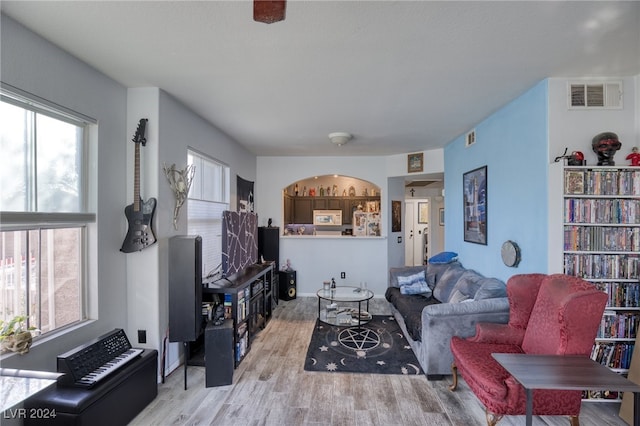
(340, 138)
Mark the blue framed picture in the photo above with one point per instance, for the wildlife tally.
(474, 186)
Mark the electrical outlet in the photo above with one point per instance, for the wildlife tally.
(343, 275)
(142, 336)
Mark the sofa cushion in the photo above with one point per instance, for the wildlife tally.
(435, 271)
(405, 271)
(490, 288)
(446, 282)
(457, 296)
(479, 369)
(414, 284)
(444, 257)
(468, 284)
(410, 307)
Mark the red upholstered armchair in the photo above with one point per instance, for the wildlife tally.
(548, 314)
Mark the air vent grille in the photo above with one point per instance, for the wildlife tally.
(470, 139)
(602, 95)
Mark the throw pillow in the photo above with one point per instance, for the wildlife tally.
(444, 257)
(413, 284)
(394, 273)
(410, 279)
(416, 288)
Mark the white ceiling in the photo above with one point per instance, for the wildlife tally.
(400, 76)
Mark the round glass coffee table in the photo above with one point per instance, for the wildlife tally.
(339, 307)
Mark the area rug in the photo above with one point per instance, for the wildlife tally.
(377, 347)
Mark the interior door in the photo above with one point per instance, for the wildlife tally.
(415, 247)
(409, 233)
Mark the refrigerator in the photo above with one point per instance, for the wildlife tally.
(366, 224)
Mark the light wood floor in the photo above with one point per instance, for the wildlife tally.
(270, 387)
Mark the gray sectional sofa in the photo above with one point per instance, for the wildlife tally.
(459, 298)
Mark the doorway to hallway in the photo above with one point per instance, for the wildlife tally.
(417, 232)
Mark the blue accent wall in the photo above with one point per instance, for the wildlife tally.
(513, 144)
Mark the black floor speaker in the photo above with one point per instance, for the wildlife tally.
(218, 349)
(287, 284)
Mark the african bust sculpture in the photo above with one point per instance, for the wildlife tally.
(605, 146)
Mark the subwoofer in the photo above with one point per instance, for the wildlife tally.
(287, 284)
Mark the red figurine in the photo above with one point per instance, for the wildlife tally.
(634, 156)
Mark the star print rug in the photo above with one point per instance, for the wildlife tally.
(378, 347)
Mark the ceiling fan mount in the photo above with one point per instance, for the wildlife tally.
(269, 11)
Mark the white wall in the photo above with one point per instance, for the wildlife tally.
(636, 81)
(142, 304)
(574, 129)
(32, 64)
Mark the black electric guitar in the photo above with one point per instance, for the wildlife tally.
(140, 213)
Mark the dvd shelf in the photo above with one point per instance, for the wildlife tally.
(601, 244)
(247, 299)
(613, 355)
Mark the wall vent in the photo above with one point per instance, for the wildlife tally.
(470, 139)
(595, 94)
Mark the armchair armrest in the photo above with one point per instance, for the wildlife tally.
(497, 333)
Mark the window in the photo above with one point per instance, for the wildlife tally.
(44, 211)
(208, 198)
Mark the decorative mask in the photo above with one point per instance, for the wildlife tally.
(605, 146)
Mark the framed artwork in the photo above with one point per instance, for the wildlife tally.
(396, 216)
(441, 216)
(423, 212)
(474, 189)
(415, 162)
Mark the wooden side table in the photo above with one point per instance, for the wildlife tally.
(565, 373)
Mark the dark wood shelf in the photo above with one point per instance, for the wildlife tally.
(250, 291)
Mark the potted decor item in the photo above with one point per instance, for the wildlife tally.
(15, 336)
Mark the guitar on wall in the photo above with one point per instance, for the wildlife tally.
(139, 214)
